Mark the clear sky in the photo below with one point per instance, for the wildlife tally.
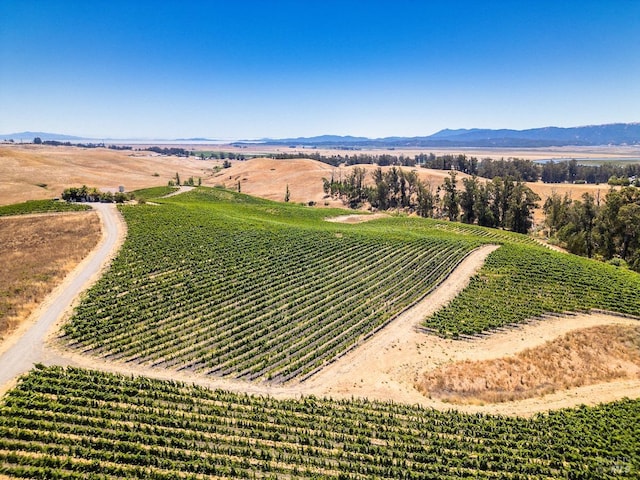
(270, 68)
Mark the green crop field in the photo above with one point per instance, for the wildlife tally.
(230, 285)
(519, 282)
(41, 206)
(74, 423)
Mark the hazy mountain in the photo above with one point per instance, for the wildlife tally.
(43, 136)
(590, 135)
(614, 134)
(321, 139)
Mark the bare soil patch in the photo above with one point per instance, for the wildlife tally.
(582, 357)
(356, 218)
(37, 252)
(390, 364)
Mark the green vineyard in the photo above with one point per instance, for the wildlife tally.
(229, 285)
(41, 206)
(520, 282)
(76, 423)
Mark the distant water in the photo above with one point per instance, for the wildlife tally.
(590, 160)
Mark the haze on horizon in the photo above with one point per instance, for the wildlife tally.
(229, 70)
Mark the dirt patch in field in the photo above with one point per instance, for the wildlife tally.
(388, 367)
(37, 252)
(582, 357)
(356, 218)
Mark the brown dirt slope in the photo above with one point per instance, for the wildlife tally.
(582, 357)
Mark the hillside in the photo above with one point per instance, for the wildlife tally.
(34, 172)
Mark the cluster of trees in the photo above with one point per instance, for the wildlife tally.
(608, 229)
(517, 168)
(572, 172)
(92, 194)
(191, 182)
(206, 155)
(499, 203)
(56, 143)
(177, 151)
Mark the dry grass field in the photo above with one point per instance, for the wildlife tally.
(31, 172)
(269, 178)
(37, 252)
(34, 172)
(583, 357)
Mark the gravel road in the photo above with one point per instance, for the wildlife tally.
(29, 349)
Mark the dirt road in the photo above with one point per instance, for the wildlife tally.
(384, 368)
(29, 348)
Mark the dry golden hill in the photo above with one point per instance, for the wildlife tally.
(32, 172)
(41, 171)
(269, 178)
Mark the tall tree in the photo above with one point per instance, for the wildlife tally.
(520, 204)
(450, 203)
(469, 198)
(556, 211)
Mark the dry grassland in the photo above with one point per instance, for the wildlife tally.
(583, 357)
(34, 172)
(269, 178)
(37, 252)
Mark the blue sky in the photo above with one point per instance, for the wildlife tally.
(251, 69)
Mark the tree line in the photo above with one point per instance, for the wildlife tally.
(92, 194)
(517, 168)
(608, 229)
(499, 203)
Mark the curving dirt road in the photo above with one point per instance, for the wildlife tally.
(30, 348)
(384, 368)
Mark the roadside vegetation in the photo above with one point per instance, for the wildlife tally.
(74, 423)
(92, 194)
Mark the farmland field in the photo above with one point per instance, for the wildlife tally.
(41, 206)
(229, 285)
(36, 253)
(519, 282)
(74, 423)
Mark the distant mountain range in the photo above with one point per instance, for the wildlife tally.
(29, 136)
(611, 134)
(591, 135)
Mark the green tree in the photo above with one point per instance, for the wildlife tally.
(450, 203)
(520, 204)
(425, 200)
(469, 198)
(556, 211)
(482, 207)
(287, 194)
